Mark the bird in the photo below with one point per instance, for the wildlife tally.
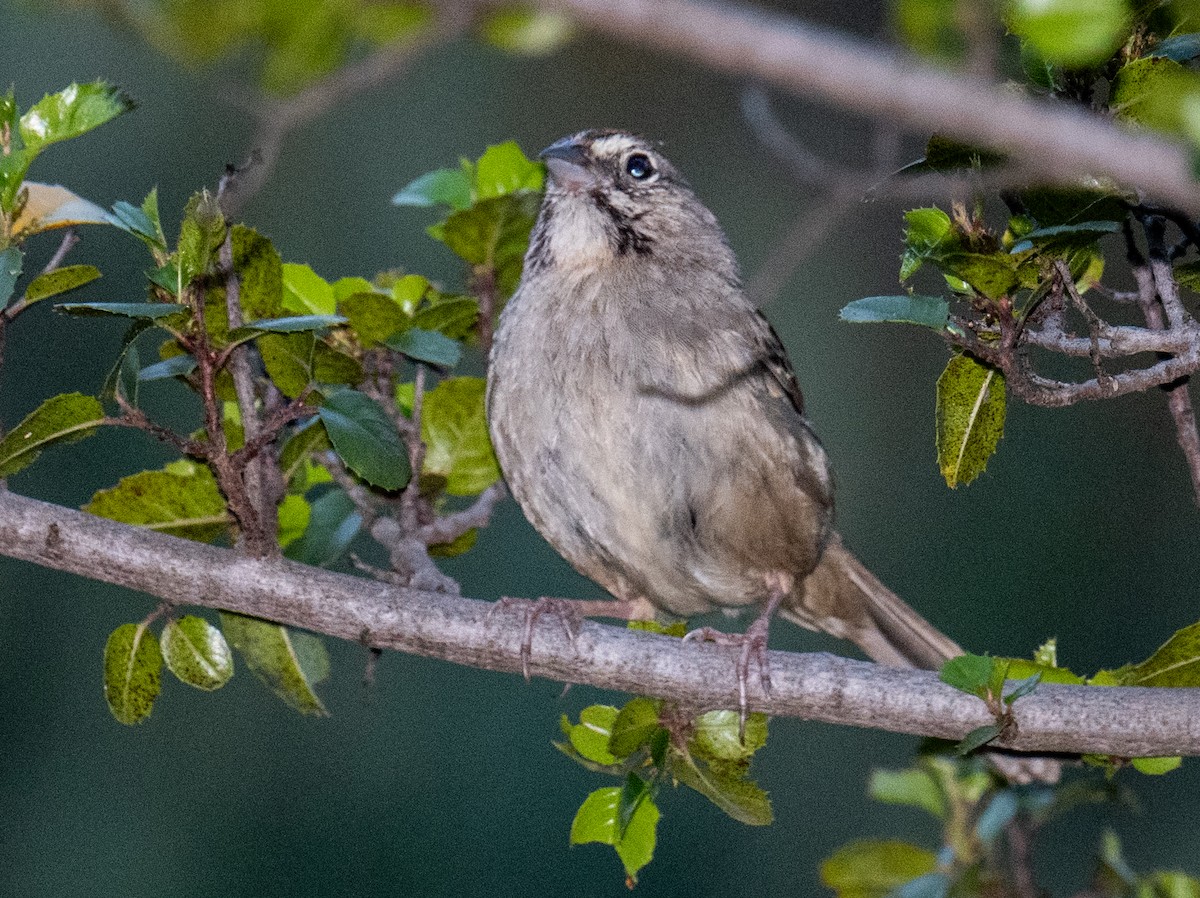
(648, 421)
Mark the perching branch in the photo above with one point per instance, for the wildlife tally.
(1052, 143)
(1127, 722)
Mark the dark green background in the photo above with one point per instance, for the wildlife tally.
(441, 780)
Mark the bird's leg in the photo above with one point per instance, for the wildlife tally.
(570, 614)
(753, 642)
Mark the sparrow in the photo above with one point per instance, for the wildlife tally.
(649, 423)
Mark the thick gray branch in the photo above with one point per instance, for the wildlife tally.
(1053, 142)
(1126, 722)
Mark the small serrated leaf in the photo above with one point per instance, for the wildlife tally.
(449, 186)
(970, 418)
(60, 280)
(927, 311)
(737, 796)
(306, 292)
(427, 346)
(717, 735)
(182, 500)
(1156, 766)
(913, 787)
(149, 311)
(977, 738)
(590, 737)
(284, 659)
(968, 673)
(366, 439)
(197, 653)
(132, 672)
(457, 445)
(634, 726)
(60, 419)
(597, 820)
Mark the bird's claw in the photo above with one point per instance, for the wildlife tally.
(753, 643)
(562, 609)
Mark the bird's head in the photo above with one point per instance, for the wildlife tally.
(613, 196)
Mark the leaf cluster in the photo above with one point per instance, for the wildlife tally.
(648, 744)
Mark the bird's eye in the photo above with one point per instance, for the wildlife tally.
(639, 166)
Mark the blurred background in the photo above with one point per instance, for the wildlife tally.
(441, 780)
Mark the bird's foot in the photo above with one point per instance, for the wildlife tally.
(753, 644)
(569, 613)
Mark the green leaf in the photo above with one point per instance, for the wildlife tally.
(260, 273)
(291, 325)
(913, 787)
(1071, 33)
(1154, 92)
(307, 438)
(726, 787)
(590, 737)
(202, 231)
(141, 222)
(527, 31)
(454, 316)
(288, 359)
(197, 653)
(73, 111)
(306, 292)
(427, 346)
(716, 736)
(289, 661)
(147, 310)
(597, 820)
(493, 233)
(969, 673)
(1175, 663)
(11, 259)
(927, 311)
(1179, 47)
(52, 283)
(504, 169)
(446, 186)
(454, 428)
(928, 235)
(991, 274)
(970, 418)
(460, 545)
(333, 524)
(183, 500)
(1023, 688)
(1156, 766)
(176, 366)
(132, 672)
(60, 419)
(943, 154)
(977, 738)
(410, 291)
(373, 316)
(1168, 884)
(873, 868)
(366, 439)
(633, 727)
(344, 288)
(294, 516)
(1085, 230)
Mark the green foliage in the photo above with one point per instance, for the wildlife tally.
(132, 672)
(183, 500)
(197, 653)
(305, 292)
(454, 428)
(290, 662)
(493, 204)
(61, 280)
(970, 418)
(874, 868)
(366, 439)
(929, 311)
(71, 112)
(62, 419)
(648, 744)
(1071, 33)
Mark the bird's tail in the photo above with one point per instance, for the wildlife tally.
(842, 597)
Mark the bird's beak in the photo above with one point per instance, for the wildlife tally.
(569, 165)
